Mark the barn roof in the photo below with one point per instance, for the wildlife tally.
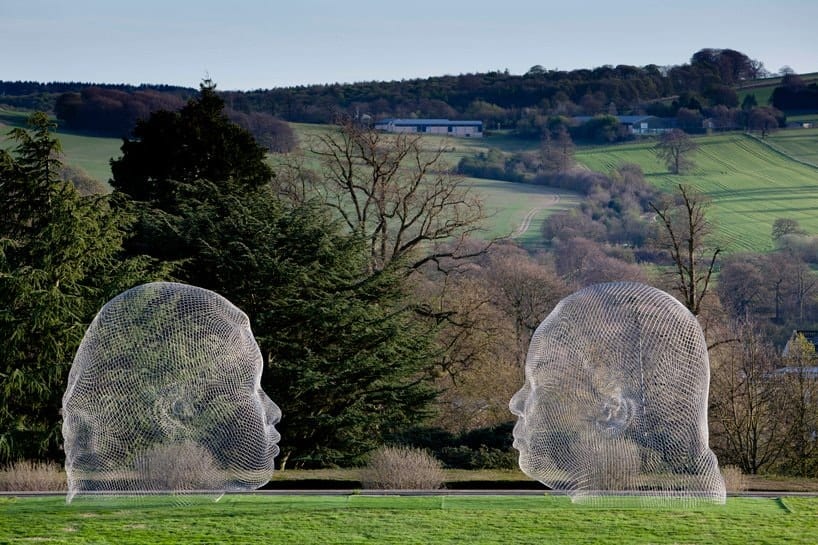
(428, 122)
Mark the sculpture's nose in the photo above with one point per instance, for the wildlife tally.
(517, 403)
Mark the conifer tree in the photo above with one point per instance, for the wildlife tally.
(59, 262)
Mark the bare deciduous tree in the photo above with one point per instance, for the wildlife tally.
(396, 193)
(801, 386)
(557, 151)
(478, 355)
(746, 421)
(675, 148)
(526, 291)
(684, 233)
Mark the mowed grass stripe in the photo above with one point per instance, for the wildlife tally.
(426, 520)
(751, 185)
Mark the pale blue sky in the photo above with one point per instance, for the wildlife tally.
(251, 44)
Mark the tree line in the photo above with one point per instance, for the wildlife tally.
(702, 88)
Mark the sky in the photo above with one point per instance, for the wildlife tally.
(262, 44)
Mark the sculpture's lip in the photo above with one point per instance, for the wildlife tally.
(518, 442)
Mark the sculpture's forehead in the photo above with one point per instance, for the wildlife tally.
(161, 329)
(165, 302)
(617, 326)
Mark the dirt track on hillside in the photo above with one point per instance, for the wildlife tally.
(529, 217)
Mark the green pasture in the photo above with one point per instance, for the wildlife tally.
(359, 519)
(90, 153)
(507, 205)
(763, 88)
(751, 184)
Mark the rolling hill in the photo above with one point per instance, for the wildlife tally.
(751, 183)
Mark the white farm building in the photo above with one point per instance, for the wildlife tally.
(468, 129)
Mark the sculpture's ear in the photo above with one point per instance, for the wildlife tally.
(615, 412)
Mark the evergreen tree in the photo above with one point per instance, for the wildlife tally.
(175, 156)
(59, 262)
(345, 361)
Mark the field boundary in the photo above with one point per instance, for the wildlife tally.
(781, 152)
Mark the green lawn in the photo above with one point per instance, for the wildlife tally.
(413, 520)
(751, 184)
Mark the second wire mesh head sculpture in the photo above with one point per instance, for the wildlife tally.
(615, 398)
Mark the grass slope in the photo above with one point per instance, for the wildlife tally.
(751, 183)
(423, 520)
(90, 153)
(800, 144)
(763, 89)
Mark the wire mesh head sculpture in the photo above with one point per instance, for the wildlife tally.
(164, 395)
(615, 399)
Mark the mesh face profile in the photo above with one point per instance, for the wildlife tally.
(615, 399)
(164, 395)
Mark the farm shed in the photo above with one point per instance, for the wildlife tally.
(468, 129)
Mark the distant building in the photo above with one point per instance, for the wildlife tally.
(467, 129)
(637, 124)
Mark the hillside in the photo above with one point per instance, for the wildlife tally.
(763, 89)
(513, 209)
(89, 153)
(509, 206)
(751, 183)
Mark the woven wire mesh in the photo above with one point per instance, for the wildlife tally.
(164, 395)
(615, 399)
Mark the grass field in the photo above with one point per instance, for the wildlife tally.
(90, 153)
(751, 184)
(508, 204)
(359, 519)
(763, 89)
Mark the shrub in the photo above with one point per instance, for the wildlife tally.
(482, 448)
(734, 479)
(402, 468)
(178, 467)
(32, 476)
